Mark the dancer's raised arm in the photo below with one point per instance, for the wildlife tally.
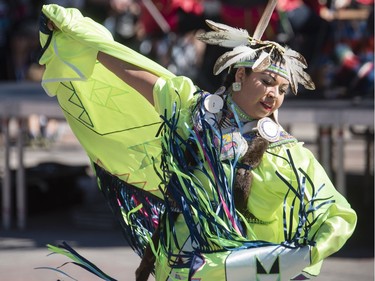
(141, 80)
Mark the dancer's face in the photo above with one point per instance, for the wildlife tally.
(261, 92)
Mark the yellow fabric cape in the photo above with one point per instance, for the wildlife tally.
(90, 95)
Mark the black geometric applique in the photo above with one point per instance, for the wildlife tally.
(74, 99)
(260, 268)
(275, 268)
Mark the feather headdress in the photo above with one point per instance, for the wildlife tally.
(251, 51)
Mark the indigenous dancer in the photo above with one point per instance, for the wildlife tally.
(206, 186)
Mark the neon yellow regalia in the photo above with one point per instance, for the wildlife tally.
(298, 218)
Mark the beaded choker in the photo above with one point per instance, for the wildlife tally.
(240, 113)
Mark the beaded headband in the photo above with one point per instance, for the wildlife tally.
(260, 55)
(275, 68)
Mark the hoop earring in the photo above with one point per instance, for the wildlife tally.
(236, 86)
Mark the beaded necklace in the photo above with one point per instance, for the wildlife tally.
(240, 113)
(229, 120)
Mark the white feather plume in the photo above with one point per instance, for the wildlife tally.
(292, 77)
(296, 56)
(224, 35)
(216, 26)
(295, 68)
(238, 54)
(262, 63)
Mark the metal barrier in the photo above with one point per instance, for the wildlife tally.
(20, 100)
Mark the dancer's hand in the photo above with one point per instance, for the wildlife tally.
(51, 26)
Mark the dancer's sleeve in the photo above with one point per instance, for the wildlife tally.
(82, 38)
(114, 123)
(336, 222)
(333, 218)
(176, 94)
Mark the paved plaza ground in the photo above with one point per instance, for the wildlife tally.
(23, 251)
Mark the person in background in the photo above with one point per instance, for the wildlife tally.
(122, 22)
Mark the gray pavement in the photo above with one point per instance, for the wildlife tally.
(120, 263)
(21, 252)
(100, 240)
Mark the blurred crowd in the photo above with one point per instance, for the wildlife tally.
(335, 36)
